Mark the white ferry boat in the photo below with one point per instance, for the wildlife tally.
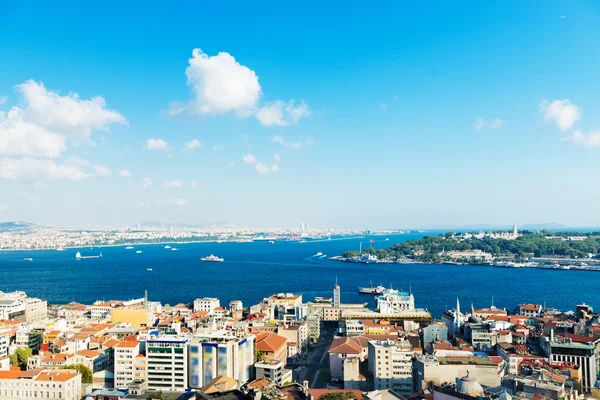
(212, 258)
(78, 256)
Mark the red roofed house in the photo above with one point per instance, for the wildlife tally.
(272, 345)
(340, 349)
(530, 310)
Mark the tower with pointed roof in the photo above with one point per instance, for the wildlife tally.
(336, 294)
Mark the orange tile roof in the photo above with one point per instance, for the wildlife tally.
(345, 345)
(54, 358)
(271, 342)
(127, 344)
(88, 353)
(11, 374)
(57, 375)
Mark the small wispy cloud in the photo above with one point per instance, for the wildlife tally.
(281, 114)
(3, 100)
(156, 144)
(383, 107)
(138, 205)
(580, 138)
(261, 168)
(562, 112)
(172, 202)
(125, 173)
(481, 124)
(292, 145)
(192, 145)
(101, 170)
(147, 183)
(172, 184)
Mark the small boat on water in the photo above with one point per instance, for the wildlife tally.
(28, 259)
(149, 269)
(78, 256)
(387, 239)
(371, 289)
(272, 241)
(174, 249)
(319, 254)
(212, 258)
(60, 248)
(167, 247)
(129, 248)
(138, 252)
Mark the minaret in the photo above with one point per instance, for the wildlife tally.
(457, 317)
(336, 294)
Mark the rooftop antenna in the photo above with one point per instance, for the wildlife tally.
(492, 301)
(410, 288)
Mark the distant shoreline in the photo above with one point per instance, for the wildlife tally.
(122, 245)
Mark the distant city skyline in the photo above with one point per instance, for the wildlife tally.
(394, 116)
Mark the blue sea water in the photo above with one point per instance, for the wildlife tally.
(252, 271)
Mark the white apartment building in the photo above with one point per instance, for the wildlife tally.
(40, 384)
(273, 371)
(395, 301)
(167, 363)
(101, 311)
(221, 354)
(236, 305)
(530, 310)
(390, 362)
(124, 355)
(4, 341)
(207, 304)
(36, 310)
(12, 309)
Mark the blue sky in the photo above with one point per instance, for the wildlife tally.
(392, 114)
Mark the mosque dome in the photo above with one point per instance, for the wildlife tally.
(474, 320)
(469, 385)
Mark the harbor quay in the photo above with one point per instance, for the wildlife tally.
(285, 347)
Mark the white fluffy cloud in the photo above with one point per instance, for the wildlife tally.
(219, 84)
(272, 114)
(66, 114)
(101, 170)
(34, 135)
(192, 145)
(279, 113)
(20, 137)
(260, 167)
(292, 145)
(561, 112)
(35, 170)
(579, 138)
(147, 183)
(125, 173)
(249, 159)
(172, 202)
(157, 144)
(172, 184)
(481, 124)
